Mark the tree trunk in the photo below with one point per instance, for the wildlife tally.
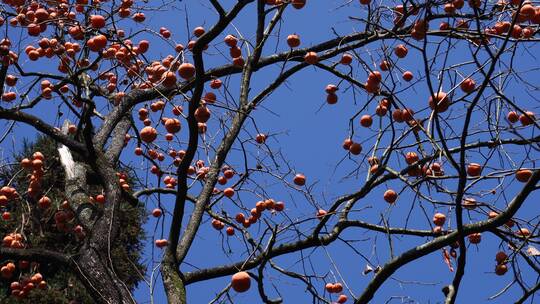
(172, 280)
(94, 265)
(100, 280)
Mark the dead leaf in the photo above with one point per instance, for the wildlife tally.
(367, 270)
(532, 251)
(446, 258)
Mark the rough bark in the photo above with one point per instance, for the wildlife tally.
(102, 283)
(93, 264)
(172, 280)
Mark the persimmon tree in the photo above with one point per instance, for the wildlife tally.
(440, 128)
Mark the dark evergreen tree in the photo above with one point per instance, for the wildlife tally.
(43, 230)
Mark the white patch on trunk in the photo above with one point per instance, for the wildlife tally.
(65, 155)
(67, 161)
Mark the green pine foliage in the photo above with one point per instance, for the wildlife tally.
(40, 231)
